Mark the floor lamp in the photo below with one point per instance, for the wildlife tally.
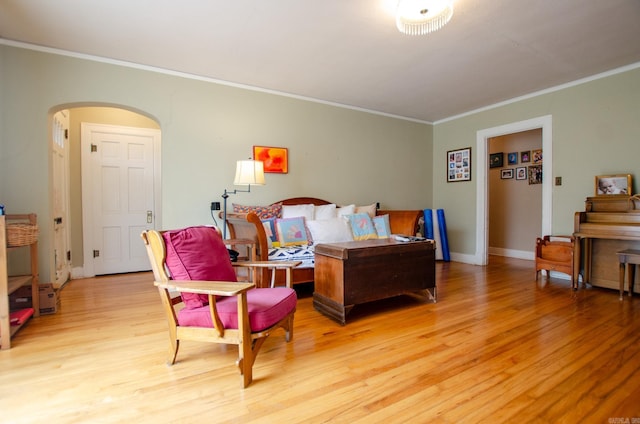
(248, 172)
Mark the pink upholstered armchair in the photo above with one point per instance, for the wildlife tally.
(195, 262)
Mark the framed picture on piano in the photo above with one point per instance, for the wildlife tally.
(613, 185)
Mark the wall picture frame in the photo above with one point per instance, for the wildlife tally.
(536, 156)
(459, 165)
(506, 174)
(614, 185)
(535, 174)
(496, 160)
(512, 158)
(521, 173)
(276, 159)
(525, 156)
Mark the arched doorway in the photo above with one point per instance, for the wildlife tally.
(104, 115)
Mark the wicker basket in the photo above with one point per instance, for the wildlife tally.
(21, 234)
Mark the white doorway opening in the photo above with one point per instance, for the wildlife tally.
(482, 143)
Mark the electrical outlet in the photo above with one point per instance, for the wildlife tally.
(215, 206)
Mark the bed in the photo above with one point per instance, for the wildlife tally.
(249, 226)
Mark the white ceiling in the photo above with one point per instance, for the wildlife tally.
(347, 51)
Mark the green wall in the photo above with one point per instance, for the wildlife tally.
(339, 154)
(595, 130)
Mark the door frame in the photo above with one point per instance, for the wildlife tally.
(87, 196)
(65, 187)
(482, 182)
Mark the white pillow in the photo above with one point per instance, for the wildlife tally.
(346, 210)
(294, 211)
(333, 230)
(325, 211)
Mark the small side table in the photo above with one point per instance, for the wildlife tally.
(628, 258)
(248, 255)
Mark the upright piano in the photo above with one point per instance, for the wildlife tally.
(608, 224)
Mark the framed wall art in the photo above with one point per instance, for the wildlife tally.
(506, 174)
(535, 174)
(512, 158)
(620, 184)
(276, 159)
(525, 156)
(521, 173)
(536, 156)
(459, 165)
(496, 160)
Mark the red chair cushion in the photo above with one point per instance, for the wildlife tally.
(266, 307)
(197, 253)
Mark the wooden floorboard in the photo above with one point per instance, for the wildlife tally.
(497, 347)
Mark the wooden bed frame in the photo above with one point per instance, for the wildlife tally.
(247, 226)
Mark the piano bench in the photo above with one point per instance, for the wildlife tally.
(629, 259)
(555, 253)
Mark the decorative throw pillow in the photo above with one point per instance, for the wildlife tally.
(346, 210)
(369, 209)
(263, 212)
(362, 227)
(333, 230)
(291, 231)
(325, 211)
(270, 230)
(382, 226)
(293, 211)
(197, 253)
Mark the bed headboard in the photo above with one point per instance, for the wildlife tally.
(303, 201)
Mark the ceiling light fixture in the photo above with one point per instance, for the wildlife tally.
(419, 17)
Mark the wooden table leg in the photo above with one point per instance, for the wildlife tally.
(623, 266)
(632, 277)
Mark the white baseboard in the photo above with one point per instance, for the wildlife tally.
(511, 253)
(77, 272)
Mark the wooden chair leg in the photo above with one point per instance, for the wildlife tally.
(245, 350)
(173, 351)
(289, 329)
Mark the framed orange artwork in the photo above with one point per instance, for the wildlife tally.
(276, 159)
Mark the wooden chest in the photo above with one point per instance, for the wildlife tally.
(352, 273)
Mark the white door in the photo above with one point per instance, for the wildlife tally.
(60, 190)
(119, 190)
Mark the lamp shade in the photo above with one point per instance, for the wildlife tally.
(249, 172)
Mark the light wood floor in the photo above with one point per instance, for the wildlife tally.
(497, 347)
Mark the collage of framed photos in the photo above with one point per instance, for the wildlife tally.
(530, 168)
(459, 165)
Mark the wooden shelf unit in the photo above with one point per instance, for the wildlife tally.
(9, 284)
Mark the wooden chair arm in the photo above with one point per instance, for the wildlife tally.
(214, 288)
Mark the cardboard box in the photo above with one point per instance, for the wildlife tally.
(48, 299)
(20, 299)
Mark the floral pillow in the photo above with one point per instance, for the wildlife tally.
(292, 231)
(270, 230)
(382, 226)
(263, 212)
(362, 226)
